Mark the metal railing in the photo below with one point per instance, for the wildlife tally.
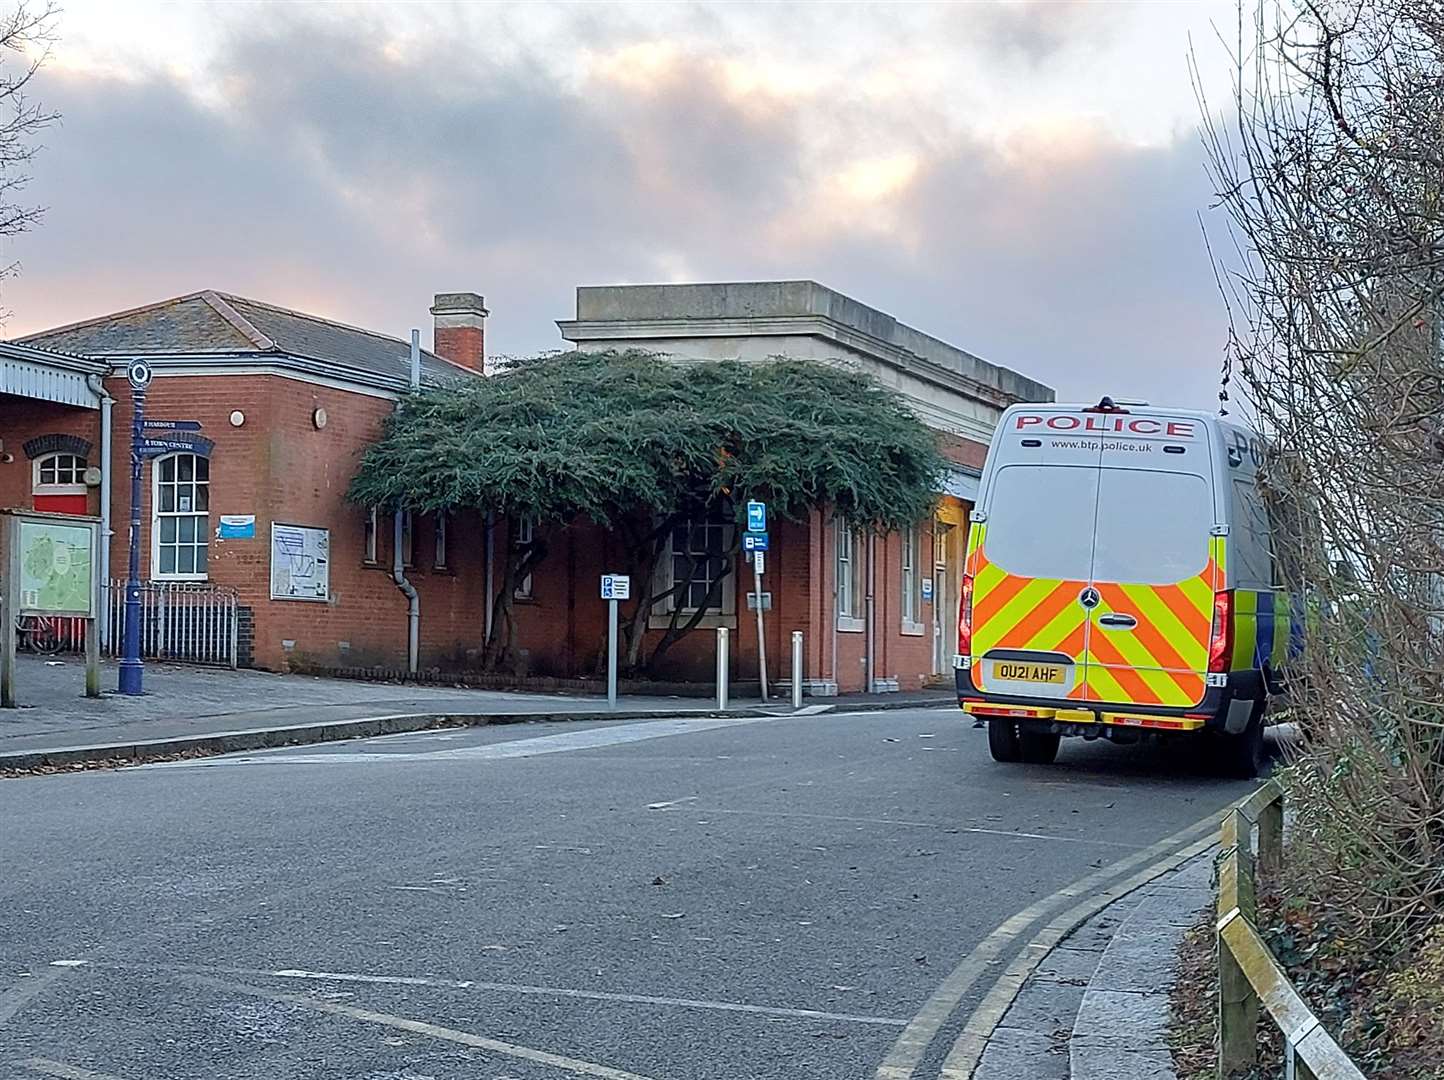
(192, 622)
(1248, 974)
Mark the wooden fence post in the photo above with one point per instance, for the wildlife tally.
(1238, 1005)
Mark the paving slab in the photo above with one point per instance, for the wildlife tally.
(1122, 1019)
(1103, 1062)
(1069, 965)
(1023, 1055)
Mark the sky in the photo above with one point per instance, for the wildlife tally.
(1022, 179)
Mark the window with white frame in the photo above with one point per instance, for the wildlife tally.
(408, 538)
(59, 474)
(180, 523)
(371, 545)
(912, 600)
(701, 555)
(523, 535)
(849, 569)
(440, 555)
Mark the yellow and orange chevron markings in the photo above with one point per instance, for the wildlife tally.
(1159, 661)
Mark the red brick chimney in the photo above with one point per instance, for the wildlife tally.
(459, 332)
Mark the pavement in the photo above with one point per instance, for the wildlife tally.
(219, 709)
(1097, 1007)
(683, 897)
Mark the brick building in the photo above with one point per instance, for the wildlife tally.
(287, 403)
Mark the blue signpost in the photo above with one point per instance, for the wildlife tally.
(756, 516)
(755, 541)
(132, 670)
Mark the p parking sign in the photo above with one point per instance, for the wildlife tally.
(616, 587)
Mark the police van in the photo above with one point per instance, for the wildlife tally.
(1120, 582)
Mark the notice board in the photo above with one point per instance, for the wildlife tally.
(300, 562)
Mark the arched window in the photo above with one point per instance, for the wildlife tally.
(59, 474)
(59, 483)
(180, 519)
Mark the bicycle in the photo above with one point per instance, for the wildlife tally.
(40, 634)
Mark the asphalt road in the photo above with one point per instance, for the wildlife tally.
(668, 899)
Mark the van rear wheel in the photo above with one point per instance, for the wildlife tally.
(1003, 741)
(1038, 747)
(1242, 756)
(1007, 743)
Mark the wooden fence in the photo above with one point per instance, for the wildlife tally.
(1248, 974)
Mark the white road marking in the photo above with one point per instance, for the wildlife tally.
(420, 1027)
(46, 1067)
(589, 739)
(671, 803)
(591, 995)
(923, 825)
(67, 963)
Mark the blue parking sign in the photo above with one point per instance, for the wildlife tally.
(754, 541)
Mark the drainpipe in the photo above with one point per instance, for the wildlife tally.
(97, 387)
(836, 685)
(490, 571)
(398, 569)
(408, 590)
(869, 626)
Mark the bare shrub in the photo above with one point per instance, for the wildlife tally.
(1330, 173)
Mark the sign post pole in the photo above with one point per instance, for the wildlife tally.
(132, 670)
(612, 653)
(757, 523)
(615, 588)
(93, 651)
(757, 562)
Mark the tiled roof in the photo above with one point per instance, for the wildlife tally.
(215, 322)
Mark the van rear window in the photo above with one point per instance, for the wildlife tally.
(1153, 527)
(1116, 525)
(1040, 520)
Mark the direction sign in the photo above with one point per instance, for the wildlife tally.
(155, 447)
(192, 439)
(172, 425)
(616, 587)
(756, 516)
(754, 541)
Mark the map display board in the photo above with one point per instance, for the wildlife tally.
(55, 563)
(300, 563)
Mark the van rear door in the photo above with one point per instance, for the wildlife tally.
(1030, 558)
(1152, 571)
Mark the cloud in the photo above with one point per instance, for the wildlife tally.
(354, 166)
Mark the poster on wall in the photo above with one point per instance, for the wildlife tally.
(300, 563)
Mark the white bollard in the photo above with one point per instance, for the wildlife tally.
(721, 668)
(797, 669)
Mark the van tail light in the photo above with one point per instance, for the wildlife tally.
(965, 617)
(1220, 640)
